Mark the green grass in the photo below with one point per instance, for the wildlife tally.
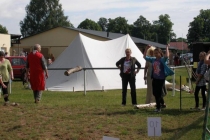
(179, 72)
(73, 116)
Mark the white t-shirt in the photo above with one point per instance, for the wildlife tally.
(127, 67)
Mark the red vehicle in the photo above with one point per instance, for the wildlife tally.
(18, 64)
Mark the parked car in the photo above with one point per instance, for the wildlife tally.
(18, 64)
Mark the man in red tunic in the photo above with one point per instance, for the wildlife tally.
(38, 71)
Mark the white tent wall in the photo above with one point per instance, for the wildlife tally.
(90, 53)
(72, 56)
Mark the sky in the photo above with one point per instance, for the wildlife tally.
(181, 12)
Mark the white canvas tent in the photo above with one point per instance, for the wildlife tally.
(90, 53)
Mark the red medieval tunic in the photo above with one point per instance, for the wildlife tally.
(37, 77)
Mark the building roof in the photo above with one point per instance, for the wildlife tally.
(110, 35)
(178, 45)
(15, 36)
(200, 43)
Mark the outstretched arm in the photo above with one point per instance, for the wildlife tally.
(145, 51)
(206, 59)
(167, 51)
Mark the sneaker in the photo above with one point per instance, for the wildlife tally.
(204, 108)
(36, 101)
(163, 106)
(6, 103)
(15, 104)
(136, 107)
(157, 110)
(123, 105)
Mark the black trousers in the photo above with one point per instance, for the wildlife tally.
(197, 89)
(127, 78)
(5, 92)
(158, 86)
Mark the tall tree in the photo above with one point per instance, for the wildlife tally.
(103, 23)
(199, 28)
(89, 24)
(142, 28)
(180, 39)
(163, 29)
(118, 25)
(3, 29)
(42, 15)
(173, 36)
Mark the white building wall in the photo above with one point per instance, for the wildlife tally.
(5, 43)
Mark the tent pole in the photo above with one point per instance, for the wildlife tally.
(173, 92)
(10, 86)
(84, 81)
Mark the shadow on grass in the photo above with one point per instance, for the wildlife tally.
(17, 80)
(184, 130)
(149, 111)
(13, 128)
(174, 112)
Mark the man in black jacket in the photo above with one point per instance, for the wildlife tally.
(128, 74)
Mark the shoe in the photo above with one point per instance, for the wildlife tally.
(163, 106)
(134, 104)
(123, 105)
(15, 104)
(6, 103)
(204, 108)
(36, 101)
(136, 107)
(157, 110)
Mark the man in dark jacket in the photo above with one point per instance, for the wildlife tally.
(128, 74)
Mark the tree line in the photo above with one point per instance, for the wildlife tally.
(158, 31)
(42, 15)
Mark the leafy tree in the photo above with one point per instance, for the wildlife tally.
(159, 31)
(199, 28)
(42, 15)
(118, 25)
(142, 28)
(172, 36)
(180, 39)
(103, 23)
(89, 24)
(3, 29)
(163, 29)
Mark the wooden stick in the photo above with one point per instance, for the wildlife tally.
(70, 71)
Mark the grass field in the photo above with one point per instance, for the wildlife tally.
(73, 116)
(179, 72)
